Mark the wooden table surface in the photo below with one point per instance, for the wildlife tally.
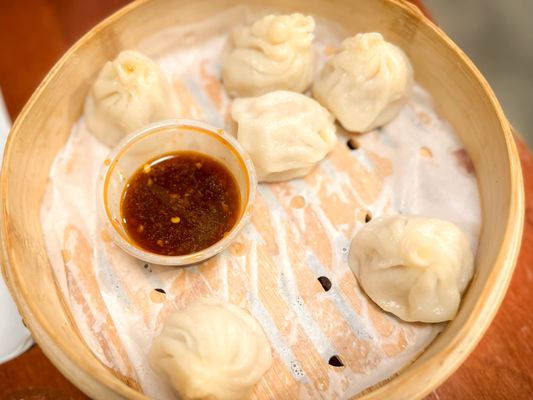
(35, 33)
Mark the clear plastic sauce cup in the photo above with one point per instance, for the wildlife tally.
(171, 136)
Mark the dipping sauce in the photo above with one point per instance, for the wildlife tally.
(180, 203)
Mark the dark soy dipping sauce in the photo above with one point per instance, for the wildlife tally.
(180, 203)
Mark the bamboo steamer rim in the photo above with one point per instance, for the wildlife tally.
(414, 382)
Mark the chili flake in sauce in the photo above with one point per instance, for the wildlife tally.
(180, 203)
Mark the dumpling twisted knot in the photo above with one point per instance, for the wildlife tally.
(416, 268)
(272, 54)
(211, 350)
(280, 37)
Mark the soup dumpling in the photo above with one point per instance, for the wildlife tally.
(129, 93)
(285, 133)
(274, 53)
(416, 268)
(366, 84)
(211, 350)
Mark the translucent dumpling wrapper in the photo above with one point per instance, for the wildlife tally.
(366, 84)
(285, 133)
(129, 93)
(416, 268)
(211, 350)
(275, 53)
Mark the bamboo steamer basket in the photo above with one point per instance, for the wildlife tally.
(460, 93)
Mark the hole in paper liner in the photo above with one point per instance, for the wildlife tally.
(325, 282)
(335, 361)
